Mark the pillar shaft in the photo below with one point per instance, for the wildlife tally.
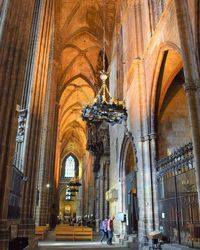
(13, 53)
(14, 45)
(34, 155)
(152, 145)
(101, 195)
(37, 126)
(191, 73)
(106, 187)
(97, 204)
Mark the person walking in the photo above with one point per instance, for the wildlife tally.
(110, 229)
(103, 229)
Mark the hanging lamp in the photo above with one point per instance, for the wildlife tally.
(104, 107)
(74, 182)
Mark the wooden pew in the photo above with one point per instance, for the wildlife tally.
(64, 235)
(194, 230)
(65, 232)
(40, 232)
(83, 233)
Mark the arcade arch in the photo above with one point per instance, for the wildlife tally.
(128, 177)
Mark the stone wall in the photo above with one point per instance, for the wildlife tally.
(143, 50)
(174, 129)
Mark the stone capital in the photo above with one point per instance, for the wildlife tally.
(191, 86)
(153, 136)
(197, 82)
(141, 139)
(148, 137)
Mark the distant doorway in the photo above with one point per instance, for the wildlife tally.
(132, 213)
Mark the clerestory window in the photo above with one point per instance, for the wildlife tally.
(70, 167)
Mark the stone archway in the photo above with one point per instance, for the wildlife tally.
(177, 189)
(128, 177)
(68, 201)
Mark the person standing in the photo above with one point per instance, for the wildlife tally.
(110, 229)
(103, 229)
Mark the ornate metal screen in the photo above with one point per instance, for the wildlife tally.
(15, 194)
(178, 201)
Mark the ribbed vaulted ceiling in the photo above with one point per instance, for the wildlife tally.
(80, 37)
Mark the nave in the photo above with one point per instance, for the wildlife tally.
(100, 117)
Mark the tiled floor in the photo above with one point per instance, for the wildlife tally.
(79, 245)
(51, 244)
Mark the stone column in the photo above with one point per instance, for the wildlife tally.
(47, 153)
(192, 80)
(106, 187)
(14, 44)
(79, 202)
(146, 173)
(149, 178)
(82, 191)
(141, 194)
(152, 145)
(103, 187)
(101, 194)
(146, 189)
(37, 125)
(97, 204)
(3, 12)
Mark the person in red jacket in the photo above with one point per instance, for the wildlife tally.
(110, 229)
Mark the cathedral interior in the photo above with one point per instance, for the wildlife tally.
(100, 116)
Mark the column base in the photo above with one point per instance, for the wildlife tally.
(97, 225)
(27, 229)
(4, 235)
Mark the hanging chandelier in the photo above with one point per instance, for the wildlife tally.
(74, 183)
(104, 107)
(73, 190)
(72, 195)
(67, 198)
(69, 194)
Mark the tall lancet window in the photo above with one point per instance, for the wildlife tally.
(70, 167)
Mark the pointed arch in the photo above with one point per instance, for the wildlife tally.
(73, 61)
(73, 167)
(164, 47)
(82, 31)
(128, 140)
(74, 78)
